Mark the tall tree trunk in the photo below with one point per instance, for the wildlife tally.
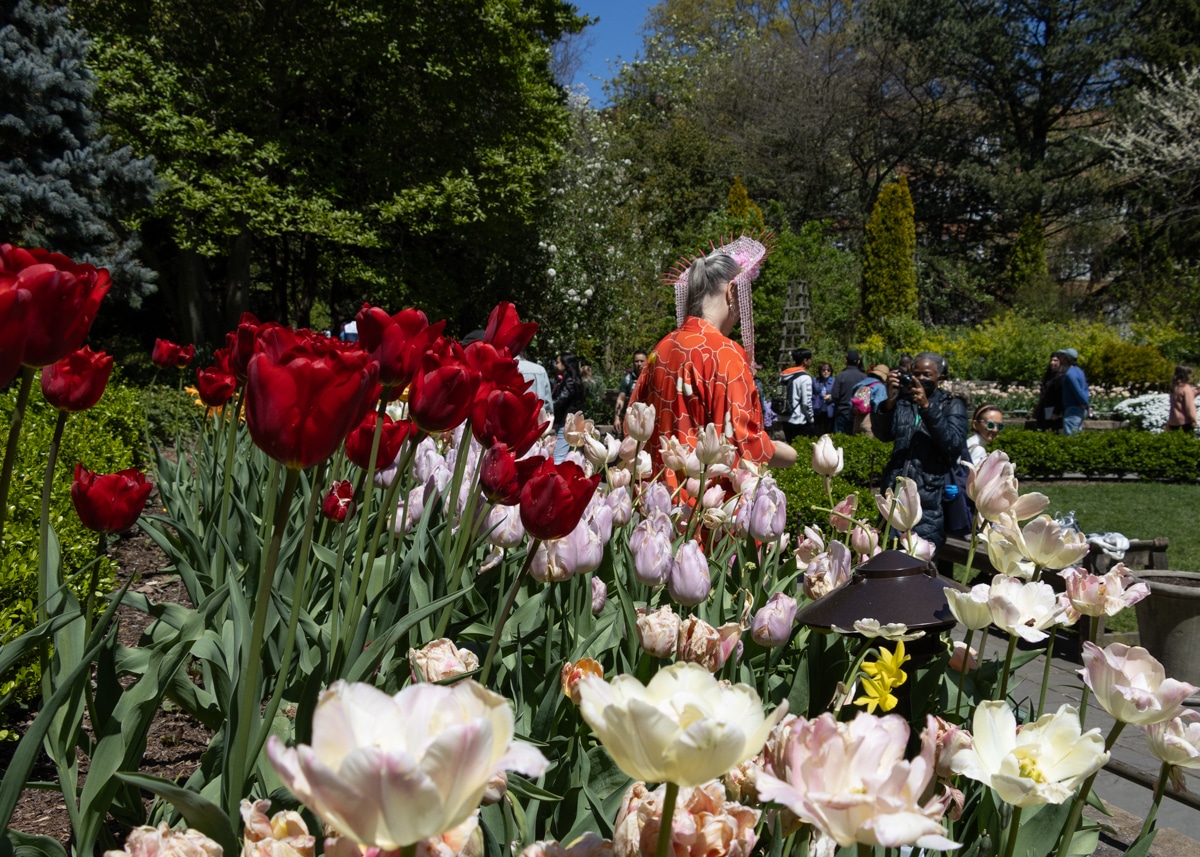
(309, 276)
(192, 298)
(237, 278)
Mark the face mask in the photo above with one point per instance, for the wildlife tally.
(929, 387)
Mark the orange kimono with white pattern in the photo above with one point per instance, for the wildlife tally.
(696, 376)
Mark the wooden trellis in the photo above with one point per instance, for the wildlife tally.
(797, 316)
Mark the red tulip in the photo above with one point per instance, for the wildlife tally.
(77, 382)
(443, 389)
(339, 502)
(110, 503)
(14, 259)
(215, 386)
(65, 298)
(167, 354)
(509, 418)
(241, 342)
(506, 330)
(14, 314)
(554, 498)
(396, 342)
(358, 442)
(304, 394)
(501, 474)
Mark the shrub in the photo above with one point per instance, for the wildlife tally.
(864, 458)
(104, 438)
(1122, 364)
(1170, 457)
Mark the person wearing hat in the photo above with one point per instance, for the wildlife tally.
(1074, 392)
(697, 375)
(868, 393)
(843, 392)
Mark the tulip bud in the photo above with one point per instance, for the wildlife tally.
(554, 561)
(620, 477)
(595, 451)
(504, 528)
(673, 453)
(214, 386)
(651, 553)
(639, 421)
(689, 581)
(572, 673)
(772, 624)
(77, 382)
(864, 539)
(766, 517)
(658, 632)
(622, 506)
(440, 660)
(599, 595)
(644, 468)
(339, 501)
(577, 429)
(712, 448)
(169, 355)
(109, 503)
(961, 654)
(628, 449)
(496, 788)
(713, 497)
(842, 516)
(826, 458)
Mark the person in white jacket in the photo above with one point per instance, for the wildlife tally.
(797, 415)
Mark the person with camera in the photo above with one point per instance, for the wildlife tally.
(928, 429)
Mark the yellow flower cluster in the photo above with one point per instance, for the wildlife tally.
(881, 677)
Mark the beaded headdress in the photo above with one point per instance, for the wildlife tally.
(749, 253)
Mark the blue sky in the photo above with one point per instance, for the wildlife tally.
(617, 35)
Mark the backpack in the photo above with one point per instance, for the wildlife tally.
(861, 400)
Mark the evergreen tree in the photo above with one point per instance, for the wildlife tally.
(63, 185)
(889, 275)
(1033, 290)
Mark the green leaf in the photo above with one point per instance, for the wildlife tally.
(1140, 848)
(14, 843)
(199, 812)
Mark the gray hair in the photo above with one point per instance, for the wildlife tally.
(938, 360)
(706, 277)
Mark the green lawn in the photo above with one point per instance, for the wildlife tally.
(1138, 510)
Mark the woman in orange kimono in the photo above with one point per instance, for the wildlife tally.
(697, 375)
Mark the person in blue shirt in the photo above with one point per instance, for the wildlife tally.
(1074, 392)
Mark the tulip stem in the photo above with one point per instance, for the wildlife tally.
(250, 699)
(668, 812)
(10, 451)
(230, 422)
(970, 572)
(1046, 671)
(1012, 647)
(1083, 701)
(962, 674)
(1014, 827)
(1159, 790)
(44, 587)
(1068, 833)
(505, 610)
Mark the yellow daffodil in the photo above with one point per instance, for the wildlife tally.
(878, 693)
(887, 667)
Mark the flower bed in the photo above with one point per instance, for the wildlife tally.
(411, 621)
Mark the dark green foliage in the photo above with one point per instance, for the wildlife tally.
(889, 273)
(864, 458)
(1122, 364)
(104, 439)
(1167, 457)
(1028, 273)
(64, 185)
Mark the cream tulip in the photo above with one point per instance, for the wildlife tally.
(1042, 762)
(639, 421)
(390, 771)
(1023, 609)
(684, 727)
(1131, 685)
(827, 459)
(902, 506)
(971, 607)
(1176, 741)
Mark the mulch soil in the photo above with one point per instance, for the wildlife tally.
(175, 741)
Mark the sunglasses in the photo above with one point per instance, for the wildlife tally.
(993, 426)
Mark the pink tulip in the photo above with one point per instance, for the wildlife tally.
(282, 835)
(992, 486)
(704, 823)
(1176, 741)
(962, 654)
(901, 506)
(864, 539)
(852, 782)
(162, 841)
(440, 660)
(772, 624)
(842, 516)
(915, 546)
(827, 571)
(689, 581)
(1107, 595)
(1131, 685)
(701, 643)
(812, 544)
(655, 498)
(622, 506)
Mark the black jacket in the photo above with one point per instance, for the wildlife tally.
(927, 444)
(568, 398)
(843, 390)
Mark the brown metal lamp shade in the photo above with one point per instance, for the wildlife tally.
(889, 587)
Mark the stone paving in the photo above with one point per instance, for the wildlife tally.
(1065, 686)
